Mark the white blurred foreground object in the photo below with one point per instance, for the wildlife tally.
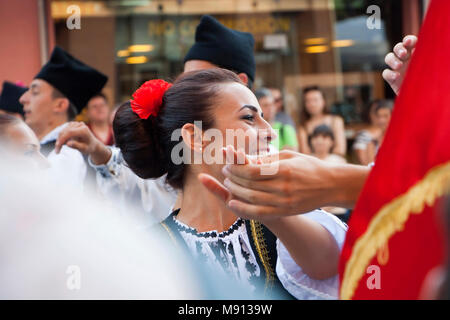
(55, 244)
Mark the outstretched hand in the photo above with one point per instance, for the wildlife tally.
(300, 184)
(398, 62)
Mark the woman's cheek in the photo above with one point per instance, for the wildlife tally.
(251, 142)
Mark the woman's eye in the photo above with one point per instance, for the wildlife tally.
(248, 117)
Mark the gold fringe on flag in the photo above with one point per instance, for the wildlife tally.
(390, 219)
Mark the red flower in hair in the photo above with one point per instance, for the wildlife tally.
(147, 100)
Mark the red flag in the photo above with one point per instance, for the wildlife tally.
(394, 237)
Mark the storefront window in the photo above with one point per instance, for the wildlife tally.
(297, 44)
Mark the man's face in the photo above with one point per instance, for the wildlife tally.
(38, 103)
(268, 108)
(98, 110)
(195, 65)
(277, 99)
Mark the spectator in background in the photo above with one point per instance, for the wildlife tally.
(9, 99)
(368, 141)
(286, 138)
(63, 86)
(98, 113)
(321, 143)
(281, 115)
(314, 113)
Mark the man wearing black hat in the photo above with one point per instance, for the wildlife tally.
(56, 95)
(9, 99)
(216, 46)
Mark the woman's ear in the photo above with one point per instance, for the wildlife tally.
(192, 137)
(244, 78)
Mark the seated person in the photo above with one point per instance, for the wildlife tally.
(315, 113)
(321, 143)
(368, 141)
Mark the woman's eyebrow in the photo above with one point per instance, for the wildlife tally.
(253, 108)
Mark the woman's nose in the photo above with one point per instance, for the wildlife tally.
(267, 133)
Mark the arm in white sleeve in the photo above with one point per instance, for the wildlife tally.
(294, 280)
(114, 175)
(118, 183)
(67, 167)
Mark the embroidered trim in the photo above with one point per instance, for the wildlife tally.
(261, 247)
(208, 234)
(391, 219)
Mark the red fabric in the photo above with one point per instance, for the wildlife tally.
(417, 140)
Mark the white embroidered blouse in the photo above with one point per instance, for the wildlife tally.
(230, 252)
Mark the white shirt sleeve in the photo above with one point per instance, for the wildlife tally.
(67, 167)
(118, 183)
(114, 174)
(294, 280)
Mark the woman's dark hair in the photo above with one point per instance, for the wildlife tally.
(7, 120)
(305, 116)
(384, 104)
(321, 130)
(146, 144)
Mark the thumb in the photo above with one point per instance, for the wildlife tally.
(214, 186)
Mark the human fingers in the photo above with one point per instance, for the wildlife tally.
(70, 132)
(410, 42)
(393, 61)
(255, 196)
(401, 52)
(252, 211)
(260, 185)
(390, 76)
(80, 146)
(214, 186)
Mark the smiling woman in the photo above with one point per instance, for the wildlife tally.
(245, 250)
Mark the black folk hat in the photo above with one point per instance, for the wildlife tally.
(9, 99)
(76, 80)
(224, 47)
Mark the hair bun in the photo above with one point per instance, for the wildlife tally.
(138, 140)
